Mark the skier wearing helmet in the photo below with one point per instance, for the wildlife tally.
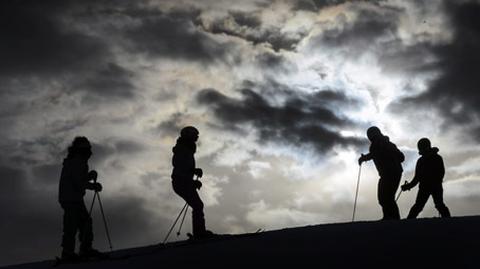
(388, 161)
(429, 173)
(183, 183)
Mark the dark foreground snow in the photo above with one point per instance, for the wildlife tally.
(423, 243)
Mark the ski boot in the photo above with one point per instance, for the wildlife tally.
(70, 257)
(205, 235)
(92, 254)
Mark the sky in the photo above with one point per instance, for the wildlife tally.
(282, 93)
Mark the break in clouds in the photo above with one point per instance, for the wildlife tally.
(281, 91)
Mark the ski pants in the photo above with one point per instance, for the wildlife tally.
(76, 218)
(422, 197)
(187, 191)
(387, 187)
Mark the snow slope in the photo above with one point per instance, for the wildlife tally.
(422, 243)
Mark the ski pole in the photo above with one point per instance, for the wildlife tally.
(104, 221)
(400, 193)
(91, 206)
(398, 196)
(356, 192)
(89, 215)
(183, 219)
(174, 223)
(90, 211)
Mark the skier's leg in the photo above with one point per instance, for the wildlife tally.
(198, 217)
(393, 187)
(421, 200)
(70, 226)
(86, 233)
(387, 187)
(190, 195)
(381, 196)
(437, 195)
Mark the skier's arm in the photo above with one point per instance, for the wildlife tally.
(442, 169)
(364, 158)
(95, 186)
(416, 178)
(368, 156)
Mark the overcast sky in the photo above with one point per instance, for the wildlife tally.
(281, 91)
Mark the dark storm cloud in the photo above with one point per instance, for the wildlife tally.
(170, 127)
(32, 152)
(246, 19)
(170, 36)
(306, 5)
(111, 148)
(455, 91)
(357, 36)
(277, 39)
(44, 43)
(67, 125)
(110, 81)
(302, 119)
(248, 26)
(35, 41)
(275, 62)
(315, 5)
(396, 58)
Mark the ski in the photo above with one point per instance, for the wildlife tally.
(59, 261)
(221, 237)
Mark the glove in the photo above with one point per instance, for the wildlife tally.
(361, 159)
(406, 187)
(97, 187)
(198, 172)
(92, 175)
(197, 184)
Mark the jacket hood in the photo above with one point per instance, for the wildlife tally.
(186, 145)
(430, 151)
(381, 139)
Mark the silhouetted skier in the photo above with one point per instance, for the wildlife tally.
(429, 173)
(183, 183)
(74, 180)
(388, 161)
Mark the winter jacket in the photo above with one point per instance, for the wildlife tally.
(183, 161)
(73, 180)
(430, 170)
(386, 156)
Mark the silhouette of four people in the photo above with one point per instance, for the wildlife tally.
(76, 178)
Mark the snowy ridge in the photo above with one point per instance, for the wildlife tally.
(425, 243)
